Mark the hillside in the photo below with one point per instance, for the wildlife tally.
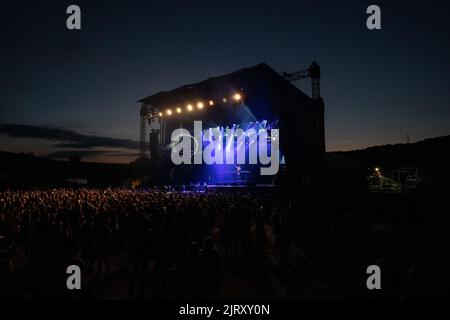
(431, 156)
(28, 170)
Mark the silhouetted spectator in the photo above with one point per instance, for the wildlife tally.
(210, 267)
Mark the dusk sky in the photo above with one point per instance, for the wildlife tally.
(377, 86)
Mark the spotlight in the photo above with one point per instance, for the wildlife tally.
(178, 110)
(237, 97)
(224, 100)
(160, 114)
(200, 105)
(169, 112)
(190, 107)
(211, 103)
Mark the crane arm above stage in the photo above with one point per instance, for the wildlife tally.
(312, 72)
(294, 76)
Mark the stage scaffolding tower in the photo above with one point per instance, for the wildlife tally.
(149, 116)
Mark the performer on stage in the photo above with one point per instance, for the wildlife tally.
(238, 169)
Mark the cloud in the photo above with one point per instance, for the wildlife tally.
(66, 138)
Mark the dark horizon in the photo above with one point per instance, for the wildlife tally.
(128, 149)
(378, 86)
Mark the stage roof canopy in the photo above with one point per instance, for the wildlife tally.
(263, 90)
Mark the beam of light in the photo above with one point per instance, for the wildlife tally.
(221, 141)
(230, 142)
(264, 124)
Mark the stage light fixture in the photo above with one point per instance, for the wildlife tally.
(189, 107)
(169, 112)
(200, 105)
(178, 110)
(160, 114)
(224, 100)
(237, 97)
(211, 103)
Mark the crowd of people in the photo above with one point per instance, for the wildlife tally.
(182, 236)
(178, 244)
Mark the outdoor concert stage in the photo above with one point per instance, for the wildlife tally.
(253, 99)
